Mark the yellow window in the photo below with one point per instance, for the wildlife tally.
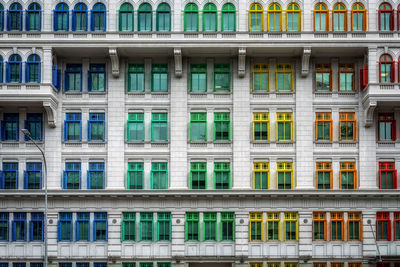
(284, 77)
(256, 264)
(348, 175)
(274, 17)
(284, 175)
(256, 18)
(256, 226)
(260, 78)
(293, 17)
(261, 126)
(323, 126)
(319, 226)
(273, 264)
(291, 264)
(290, 226)
(273, 226)
(284, 128)
(260, 175)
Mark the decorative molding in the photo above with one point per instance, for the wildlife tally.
(305, 63)
(114, 61)
(242, 62)
(178, 62)
(369, 113)
(51, 112)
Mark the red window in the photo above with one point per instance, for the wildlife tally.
(398, 28)
(364, 77)
(383, 226)
(386, 69)
(387, 127)
(386, 17)
(383, 264)
(396, 226)
(387, 175)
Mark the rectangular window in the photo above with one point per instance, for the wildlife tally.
(387, 175)
(273, 226)
(337, 226)
(163, 226)
(260, 78)
(255, 264)
(100, 226)
(285, 175)
(19, 264)
(198, 78)
(36, 227)
(284, 77)
(82, 264)
(159, 175)
(386, 127)
(198, 126)
(128, 226)
(348, 126)
(339, 264)
(256, 226)
(198, 175)
(284, 129)
(290, 224)
(159, 78)
(383, 226)
(95, 175)
(146, 264)
(159, 127)
(210, 226)
(9, 175)
(273, 264)
(135, 175)
(324, 175)
(396, 226)
(319, 264)
(260, 175)
(146, 226)
(261, 126)
(135, 127)
(100, 264)
(192, 226)
(222, 175)
(227, 226)
(82, 226)
(96, 126)
(135, 78)
(19, 226)
(347, 80)
(323, 126)
(10, 127)
(319, 226)
(348, 175)
(163, 264)
(354, 226)
(355, 264)
(4, 217)
(72, 175)
(97, 78)
(73, 78)
(38, 264)
(222, 126)
(323, 77)
(33, 124)
(72, 127)
(64, 227)
(222, 78)
(128, 264)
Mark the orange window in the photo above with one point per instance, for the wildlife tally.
(358, 17)
(348, 175)
(323, 126)
(321, 17)
(354, 264)
(324, 175)
(339, 17)
(323, 77)
(354, 226)
(347, 126)
(337, 264)
(319, 264)
(319, 226)
(337, 226)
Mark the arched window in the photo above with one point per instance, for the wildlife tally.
(274, 17)
(358, 17)
(163, 17)
(339, 17)
(228, 20)
(61, 17)
(256, 18)
(33, 17)
(126, 17)
(210, 17)
(321, 17)
(386, 17)
(386, 69)
(98, 17)
(14, 69)
(293, 17)
(191, 17)
(14, 17)
(1, 17)
(145, 17)
(32, 69)
(1, 69)
(79, 17)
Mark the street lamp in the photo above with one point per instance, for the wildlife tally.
(28, 134)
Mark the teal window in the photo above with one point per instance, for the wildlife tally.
(100, 226)
(32, 69)
(192, 226)
(210, 226)
(222, 78)
(95, 175)
(73, 78)
(128, 264)
(1, 17)
(34, 125)
(64, 226)
(256, 18)
(96, 126)
(227, 226)
(128, 226)
(198, 126)
(146, 264)
(145, 17)
(14, 17)
(159, 78)
(72, 175)
(9, 177)
(284, 172)
(79, 17)
(82, 226)
(97, 78)
(36, 227)
(98, 17)
(135, 127)
(198, 78)
(159, 175)
(163, 264)
(33, 17)
(222, 126)
(210, 17)
(72, 127)
(135, 175)
(33, 175)
(163, 226)
(163, 17)
(19, 227)
(135, 78)
(198, 175)
(10, 127)
(4, 230)
(61, 17)
(191, 17)
(146, 226)
(222, 175)
(159, 127)
(126, 17)
(14, 69)
(228, 20)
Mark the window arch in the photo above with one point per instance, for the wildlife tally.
(14, 17)
(1, 69)
(61, 17)
(339, 17)
(358, 17)
(1, 17)
(256, 17)
(33, 17)
(228, 19)
(191, 17)
(274, 17)
(386, 17)
(14, 69)
(321, 17)
(32, 69)
(79, 17)
(386, 69)
(145, 17)
(210, 17)
(163, 17)
(293, 17)
(126, 17)
(98, 17)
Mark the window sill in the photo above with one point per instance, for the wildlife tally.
(97, 92)
(261, 142)
(285, 141)
(222, 142)
(73, 92)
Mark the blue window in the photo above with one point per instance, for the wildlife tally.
(96, 126)
(34, 124)
(73, 78)
(19, 264)
(98, 17)
(145, 17)
(100, 264)
(10, 127)
(14, 69)
(65, 264)
(36, 264)
(1, 63)
(95, 175)
(33, 17)
(36, 228)
(79, 17)
(14, 17)
(72, 175)
(100, 226)
(1, 17)
(9, 177)
(32, 69)
(19, 226)
(82, 264)
(64, 228)
(97, 78)
(33, 175)
(3, 226)
(61, 17)
(3, 264)
(82, 226)
(72, 127)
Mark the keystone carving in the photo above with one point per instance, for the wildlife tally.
(242, 62)
(178, 62)
(114, 62)
(305, 64)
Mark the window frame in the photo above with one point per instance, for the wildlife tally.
(95, 72)
(256, 9)
(98, 11)
(127, 219)
(13, 133)
(136, 169)
(383, 11)
(291, 217)
(36, 226)
(62, 9)
(138, 71)
(34, 10)
(200, 119)
(159, 168)
(262, 168)
(64, 218)
(135, 119)
(14, 69)
(388, 167)
(201, 169)
(81, 10)
(14, 15)
(4, 226)
(145, 9)
(387, 59)
(348, 167)
(19, 227)
(284, 117)
(387, 117)
(283, 69)
(72, 167)
(323, 69)
(319, 233)
(226, 219)
(284, 167)
(210, 218)
(228, 9)
(321, 119)
(193, 10)
(357, 12)
(338, 218)
(100, 218)
(34, 168)
(72, 118)
(290, 10)
(221, 119)
(221, 168)
(126, 9)
(347, 68)
(354, 217)
(192, 218)
(339, 11)
(159, 119)
(96, 118)
(33, 69)
(260, 69)
(273, 218)
(222, 69)
(319, 11)
(10, 168)
(381, 218)
(76, 70)
(159, 72)
(34, 124)
(274, 9)
(396, 225)
(82, 219)
(347, 117)
(256, 223)
(164, 222)
(324, 167)
(96, 167)
(198, 70)
(259, 120)
(209, 9)
(163, 9)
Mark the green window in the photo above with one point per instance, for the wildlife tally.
(135, 127)
(198, 175)
(135, 78)
(146, 226)
(285, 124)
(135, 175)
(126, 17)
(260, 78)
(222, 126)
(210, 17)
(146, 264)
(159, 78)
(191, 17)
(222, 175)
(227, 226)
(222, 78)
(159, 175)
(159, 127)
(228, 19)
(198, 78)
(128, 264)
(198, 126)
(163, 264)
(163, 17)
(285, 172)
(210, 226)
(164, 226)
(145, 17)
(284, 77)
(128, 226)
(192, 226)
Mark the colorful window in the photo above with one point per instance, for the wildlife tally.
(222, 126)
(386, 17)
(348, 175)
(348, 126)
(291, 264)
(293, 17)
(319, 264)
(135, 175)
(145, 17)
(82, 226)
(35, 226)
(255, 264)
(321, 17)
(256, 226)
(198, 78)
(64, 226)
(135, 78)
(14, 69)
(1, 58)
(198, 126)
(291, 226)
(79, 17)
(4, 231)
(356, 264)
(396, 226)
(383, 226)
(1, 17)
(72, 127)
(274, 17)
(324, 175)
(97, 78)
(192, 226)
(128, 226)
(159, 78)
(33, 175)
(284, 77)
(210, 17)
(228, 19)
(284, 129)
(159, 175)
(359, 17)
(323, 126)
(347, 77)
(96, 126)
(386, 69)
(260, 78)
(72, 175)
(33, 17)
(163, 226)
(32, 69)
(256, 18)
(19, 227)
(100, 226)
(163, 17)
(135, 127)
(323, 77)
(73, 78)
(227, 226)
(14, 17)
(98, 17)
(95, 175)
(339, 17)
(285, 175)
(319, 226)
(387, 175)
(9, 177)
(10, 127)
(260, 175)
(261, 126)
(126, 17)
(159, 127)
(354, 226)
(387, 127)
(210, 226)
(337, 226)
(222, 175)
(191, 17)
(273, 226)
(198, 175)
(61, 17)
(128, 264)
(222, 78)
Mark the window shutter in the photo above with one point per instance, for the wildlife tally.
(392, 72)
(395, 179)
(380, 179)
(27, 72)
(20, 20)
(76, 231)
(27, 28)
(119, 21)
(89, 131)
(80, 129)
(64, 180)
(65, 131)
(7, 72)
(31, 231)
(80, 177)
(389, 231)
(25, 180)
(55, 21)
(40, 20)
(105, 20)
(73, 21)
(26, 127)
(14, 235)
(39, 72)
(59, 230)
(91, 21)
(394, 131)
(41, 176)
(89, 81)
(20, 71)
(392, 20)
(8, 21)
(67, 20)
(94, 231)
(88, 179)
